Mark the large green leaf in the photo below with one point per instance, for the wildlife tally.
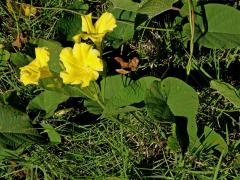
(128, 5)
(156, 103)
(214, 140)
(223, 27)
(228, 91)
(132, 94)
(71, 24)
(111, 85)
(155, 7)
(15, 128)
(173, 97)
(47, 101)
(125, 27)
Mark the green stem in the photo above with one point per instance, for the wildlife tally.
(192, 27)
(156, 29)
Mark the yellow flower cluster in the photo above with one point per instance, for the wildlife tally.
(82, 63)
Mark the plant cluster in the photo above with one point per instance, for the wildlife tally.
(138, 116)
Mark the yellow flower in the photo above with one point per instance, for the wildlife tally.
(9, 6)
(106, 23)
(37, 69)
(25, 9)
(81, 63)
(28, 9)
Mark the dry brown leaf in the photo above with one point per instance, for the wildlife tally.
(121, 61)
(122, 71)
(130, 66)
(133, 64)
(20, 40)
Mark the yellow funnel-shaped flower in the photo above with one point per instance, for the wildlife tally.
(81, 63)
(37, 69)
(106, 23)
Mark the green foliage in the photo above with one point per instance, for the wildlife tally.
(8, 154)
(214, 32)
(93, 107)
(145, 126)
(71, 24)
(214, 140)
(120, 82)
(156, 103)
(54, 137)
(127, 5)
(16, 128)
(172, 98)
(20, 59)
(131, 94)
(125, 27)
(47, 101)
(155, 7)
(125, 12)
(4, 55)
(228, 91)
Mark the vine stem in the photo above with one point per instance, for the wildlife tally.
(192, 28)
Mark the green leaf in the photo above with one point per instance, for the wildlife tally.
(156, 103)
(19, 59)
(111, 85)
(56, 84)
(4, 55)
(226, 90)
(132, 94)
(173, 144)
(4, 97)
(15, 128)
(125, 27)
(127, 5)
(155, 7)
(223, 27)
(54, 48)
(184, 11)
(214, 140)
(93, 107)
(47, 101)
(54, 137)
(173, 97)
(11, 154)
(71, 24)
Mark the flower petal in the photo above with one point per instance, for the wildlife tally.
(67, 58)
(93, 61)
(42, 56)
(87, 25)
(106, 23)
(30, 74)
(77, 38)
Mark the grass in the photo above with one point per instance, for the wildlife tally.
(134, 146)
